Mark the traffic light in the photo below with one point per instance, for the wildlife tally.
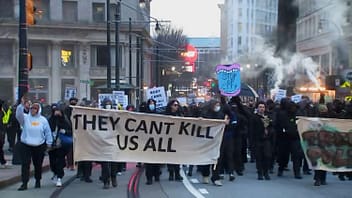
(30, 12)
(29, 61)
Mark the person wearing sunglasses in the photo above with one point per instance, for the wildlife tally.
(35, 139)
(173, 108)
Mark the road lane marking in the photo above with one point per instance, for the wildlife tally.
(203, 191)
(189, 186)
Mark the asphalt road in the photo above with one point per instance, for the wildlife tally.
(246, 186)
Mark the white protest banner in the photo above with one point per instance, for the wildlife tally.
(296, 98)
(120, 98)
(157, 94)
(110, 135)
(327, 143)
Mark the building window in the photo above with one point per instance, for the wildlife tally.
(239, 41)
(6, 53)
(239, 27)
(101, 56)
(7, 84)
(38, 89)
(6, 9)
(67, 84)
(69, 11)
(67, 56)
(43, 11)
(98, 12)
(39, 54)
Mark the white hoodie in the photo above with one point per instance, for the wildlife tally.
(35, 129)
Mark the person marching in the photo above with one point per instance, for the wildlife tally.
(173, 108)
(35, 138)
(262, 138)
(58, 124)
(108, 169)
(151, 170)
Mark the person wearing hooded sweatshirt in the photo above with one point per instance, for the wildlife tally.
(35, 138)
(58, 124)
(214, 111)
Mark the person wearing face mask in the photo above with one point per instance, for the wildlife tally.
(35, 139)
(68, 111)
(59, 124)
(151, 170)
(213, 111)
(109, 169)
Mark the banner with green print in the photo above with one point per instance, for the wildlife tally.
(327, 143)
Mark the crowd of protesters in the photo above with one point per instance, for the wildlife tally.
(264, 133)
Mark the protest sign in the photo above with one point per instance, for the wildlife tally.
(327, 143)
(229, 78)
(110, 135)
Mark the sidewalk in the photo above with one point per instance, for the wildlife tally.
(12, 174)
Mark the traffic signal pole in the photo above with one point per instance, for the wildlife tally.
(23, 51)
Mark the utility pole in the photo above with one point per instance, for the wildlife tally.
(23, 52)
(138, 79)
(130, 49)
(117, 44)
(108, 43)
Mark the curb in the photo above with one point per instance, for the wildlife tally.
(15, 179)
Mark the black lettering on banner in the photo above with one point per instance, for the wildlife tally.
(207, 134)
(133, 141)
(126, 140)
(154, 127)
(114, 122)
(168, 127)
(150, 144)
(142, 127)
(102, 121)
(127, 124)
(169, 146)
(183, 128)
(119, 142)
(75, 117)
(86, 122)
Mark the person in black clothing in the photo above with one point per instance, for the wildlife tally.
(84, 168)
(109, 169)
(244, 119)
(262, 138)
(213, 110)
(173, 108)
(2, 135)
(151, 169)
(58, 124)
(288, 139)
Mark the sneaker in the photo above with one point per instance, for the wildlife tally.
(4, 166)
(206, 180)
(231, 177)
(58, 182)
(217, 183)
(54, 179)
(119, 173)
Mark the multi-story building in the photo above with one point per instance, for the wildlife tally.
(243, 22)
(324, 34)
(68, 44)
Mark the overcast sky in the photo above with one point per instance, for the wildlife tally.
(197, 18)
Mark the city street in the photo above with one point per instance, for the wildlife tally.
(246, 186)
